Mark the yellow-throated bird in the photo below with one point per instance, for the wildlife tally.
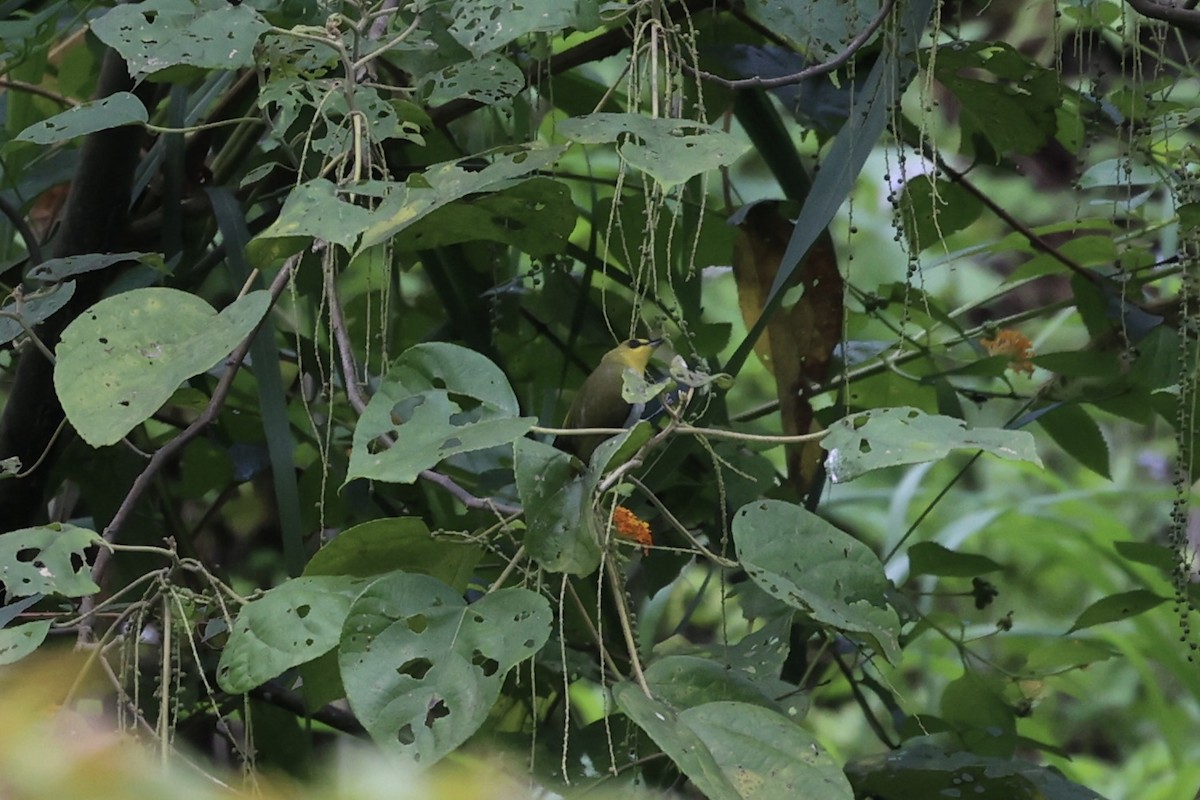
(599, 404)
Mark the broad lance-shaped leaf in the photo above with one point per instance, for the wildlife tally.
(21, 640)
(737, 750)
(121, 108)
(887, 437)
(799, 558)
(49, 559)
(422, 668)
(437, 400)
(447, 182)
(297, 621)
(120, 360)
(392, 543)
(671, 151)
(33, 309)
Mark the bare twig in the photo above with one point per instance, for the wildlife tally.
(623, 614)
(825, 67)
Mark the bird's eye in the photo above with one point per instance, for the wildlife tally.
(634, 344)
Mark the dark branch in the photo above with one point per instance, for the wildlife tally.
(825, 67)
(1178, 16)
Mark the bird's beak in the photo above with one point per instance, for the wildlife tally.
(654, 342)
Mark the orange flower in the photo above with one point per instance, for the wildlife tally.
(630, 526)
(1015, 345)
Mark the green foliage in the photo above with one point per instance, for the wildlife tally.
(334, 505)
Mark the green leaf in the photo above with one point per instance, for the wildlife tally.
(158, 34)
(21, 640)
(297, 621)
(48, 559)
(671, 151)
(437, 400)
(311, 210)
(1189, 216)
(561, 531)
(1013, 109)
(933, 209)
(120, 360)
(55, 269)
(422, 669)
(535, 216)
(33, 309)
(985, 723)
(447, 182)
(765, 755)
(799, 558)
(113, 111)
(677, 740)
(488, 79)
(385, 545)
(1117, 607)
(818, 28)
(923, 770)
(1155, 555)
(687, 681)
(477, 25)
(887, 437)
(931, 558)
(1074, 430)
(1064, 654)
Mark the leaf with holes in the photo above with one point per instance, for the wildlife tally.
(485, 25)
(312, 210)
(444, 183)
(33, 309)
(437, 400)
(799, 558)
(121, 108)
(887, 437)
(422, 668)
(158, 34)
(48, 559)
(669, 150)
(21, 640)
(120, 360)
(294, 623)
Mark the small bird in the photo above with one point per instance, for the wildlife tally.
(599, 404)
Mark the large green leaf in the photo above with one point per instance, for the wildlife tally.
(1012, 106)
(422, 668)
(438, 399)
(487, 80)
(799, 558)
(120, 360)
(158, 34)
(678, 741)
(385, 545)
(297, 621)
(669, 150)
(113, 111)
(561, 532)
(931, 558)
(49, 559)
(1117, 607)
(886, 437)
(21, 640)
(765, 755)
(447, 182)
(1075, 430)
(485, 25)
(926, 771)
(819, 28)
(535, 216)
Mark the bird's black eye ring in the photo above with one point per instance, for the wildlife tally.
(634, 343)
